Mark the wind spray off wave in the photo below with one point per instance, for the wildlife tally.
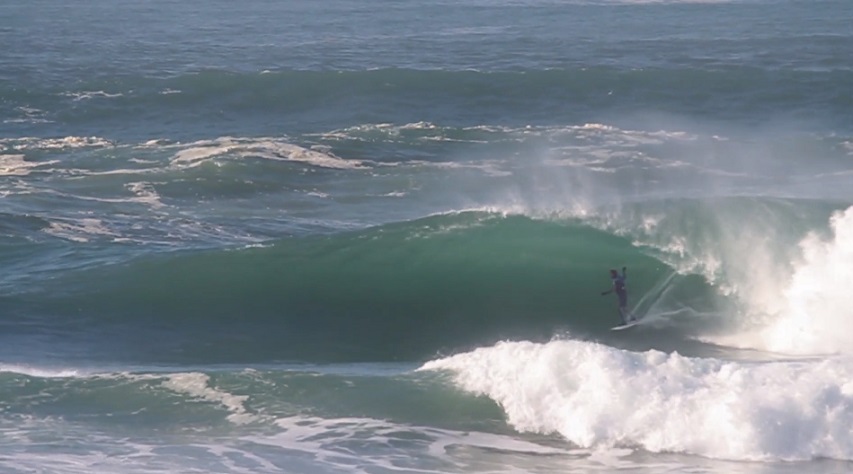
(789, 297)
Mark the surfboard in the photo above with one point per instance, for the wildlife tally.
(626, 326)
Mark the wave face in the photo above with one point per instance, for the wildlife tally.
(400, 291)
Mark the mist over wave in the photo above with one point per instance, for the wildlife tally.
(807, 311)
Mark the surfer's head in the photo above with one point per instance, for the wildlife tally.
(613, 272)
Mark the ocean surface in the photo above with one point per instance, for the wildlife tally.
(370, 236)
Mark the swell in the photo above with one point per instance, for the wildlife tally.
(296, 99)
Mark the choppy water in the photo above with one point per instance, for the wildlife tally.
(372, 236)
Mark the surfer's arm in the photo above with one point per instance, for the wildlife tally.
(624, 273)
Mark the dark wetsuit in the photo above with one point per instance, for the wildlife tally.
(619, 288)
(622, 293)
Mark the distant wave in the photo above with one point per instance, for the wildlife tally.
(538, 96)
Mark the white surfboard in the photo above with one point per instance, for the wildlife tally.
(626, 315)
(626, 326)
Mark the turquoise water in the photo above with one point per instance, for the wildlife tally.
(372, 236)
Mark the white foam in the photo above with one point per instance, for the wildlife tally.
(372, 445)
(145, 193)
(419, 126)
(16, 165)
(594, 132)
(267, 148)
(196, 385)
(30, 115)
(70, 142)
(39, 371)
(27, 120)
(79, 230)
(595, 395)
(86, 95)
(59, 446)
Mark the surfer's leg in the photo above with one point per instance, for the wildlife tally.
(623, 308)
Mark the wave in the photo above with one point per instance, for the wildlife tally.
(735, 272)
(598, 396)
(397, 292)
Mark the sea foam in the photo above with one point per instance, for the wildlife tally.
(599, 396)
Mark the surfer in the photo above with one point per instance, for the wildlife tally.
(621, 292)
